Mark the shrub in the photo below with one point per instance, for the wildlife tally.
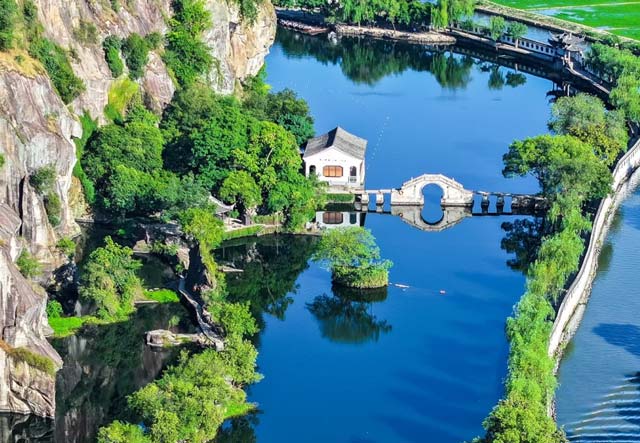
(136, 52)
(109, 280)
(54, 309)
(187, 56)
(86, 33)
(34, 360)
(43, 179)
(53, 206)
(154, 40)
(163, 296)
(66, 246)
(88, 128)
(1, 160)
(111, 47)
(56, 62)
(121, 94)
(353, 257)
(28, 265)
(8, 10)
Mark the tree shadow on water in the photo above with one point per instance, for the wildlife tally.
(346, 316)
(626, 336)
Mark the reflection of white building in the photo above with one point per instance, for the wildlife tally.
(339, 219)
(337, 158)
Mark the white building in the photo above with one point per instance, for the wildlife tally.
(339, 219)
(337, 158)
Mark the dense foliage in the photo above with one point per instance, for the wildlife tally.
(8, 14)
(124, 162)
(28, 265)
(187, 56)
(109, 280)
(585, 117)
(136, 54)
(56, 61)
(621, 68)
(353, 257)
(252, 163)
(111, 47)
(572, 169)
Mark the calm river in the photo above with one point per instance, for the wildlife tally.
(423, 363)
(599, 395)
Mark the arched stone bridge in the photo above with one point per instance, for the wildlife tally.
(453, 194)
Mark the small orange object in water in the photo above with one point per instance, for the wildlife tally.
(442, 291)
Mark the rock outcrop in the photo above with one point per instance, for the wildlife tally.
(23, 388)
(238, 46)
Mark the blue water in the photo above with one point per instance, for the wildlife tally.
(424, 363)
(599, 395)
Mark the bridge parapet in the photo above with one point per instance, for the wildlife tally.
(453, 193)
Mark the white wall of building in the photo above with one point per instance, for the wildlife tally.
(334, 157)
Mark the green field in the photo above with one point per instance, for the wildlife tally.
(621, 17)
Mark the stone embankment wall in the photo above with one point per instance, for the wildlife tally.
(575, 299)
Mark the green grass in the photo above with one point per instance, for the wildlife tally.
(621, 17)
(65, 326)
(162, 296)
(120, 95)
(236, 409)
(242, 232)
(341, 198)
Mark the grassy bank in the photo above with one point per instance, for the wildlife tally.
(616, 16)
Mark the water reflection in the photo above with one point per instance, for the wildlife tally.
(270, 266)
(347, 317)
(104, 364)
(367, 61)
(522, 238)
(15, 428)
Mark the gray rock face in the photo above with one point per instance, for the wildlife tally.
(23, 389)
(240, 47)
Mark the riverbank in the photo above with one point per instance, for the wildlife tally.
(575, 300)
(314, 23)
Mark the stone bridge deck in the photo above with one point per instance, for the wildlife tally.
(453, 194)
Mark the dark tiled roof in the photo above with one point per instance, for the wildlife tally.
(567, 40)
(339, 139)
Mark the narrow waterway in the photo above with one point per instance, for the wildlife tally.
(599, 395)
(409, 363)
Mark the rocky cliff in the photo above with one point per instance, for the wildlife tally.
(37, 130)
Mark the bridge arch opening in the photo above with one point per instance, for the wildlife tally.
(432, 212)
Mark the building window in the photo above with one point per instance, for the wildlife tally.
(332, 218)
(312, 170)
(332, 171)
(353, 218)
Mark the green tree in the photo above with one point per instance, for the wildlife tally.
(497, 27)
(202, 224)
(111, 47)
(585, 117)
(136, 54)
(109, 280)
(626, 96)
(56, 61)
(561, 164)
(187, 56)
(28, 265)
(516, 30)
(353, 257)
(8, 13)
(119, 432)
(43, 179)
(240, 187)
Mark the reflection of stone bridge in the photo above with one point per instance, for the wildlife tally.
(457, 202)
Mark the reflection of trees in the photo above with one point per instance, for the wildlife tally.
(522, 238)
(271, 265)
(102, 365)
(498, 79)
(238, 430)
(346, 317)
(367, 61)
